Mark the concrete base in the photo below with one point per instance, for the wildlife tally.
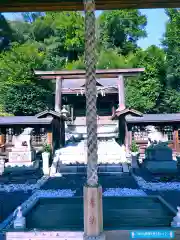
(17, 156)
(28, 165)
(93, 216)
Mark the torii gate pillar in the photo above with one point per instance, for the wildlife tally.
(58, 94)
(121, 93)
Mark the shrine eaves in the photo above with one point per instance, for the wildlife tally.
(66, 5)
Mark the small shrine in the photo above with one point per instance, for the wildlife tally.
(23, 136)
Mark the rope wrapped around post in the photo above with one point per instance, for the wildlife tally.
(91, 92)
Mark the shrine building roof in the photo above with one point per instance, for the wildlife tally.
(24, 120)
(154, 118)
(66, 5)
(49, 114)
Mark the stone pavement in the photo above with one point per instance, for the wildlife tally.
(110, 235)
(10, 200)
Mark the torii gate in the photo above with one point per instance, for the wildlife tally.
(59, 76)
(93, 221)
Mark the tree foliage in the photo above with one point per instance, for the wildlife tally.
(55, 41)
(16, 74)
(143, 93)
(171, 45)
(27, 99)
(6, 33)
(17, 65)
(121, 29)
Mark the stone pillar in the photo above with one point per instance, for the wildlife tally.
(58, 101)
(93, 216)
(121, 93)
(113, 110)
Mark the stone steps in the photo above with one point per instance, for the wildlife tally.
(102, 169)
(108, 152)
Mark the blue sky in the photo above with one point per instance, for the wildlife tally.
(155, 27)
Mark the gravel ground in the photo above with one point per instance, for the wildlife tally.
(76, 182)
(113, 185)
(21, 177)
(170, 195)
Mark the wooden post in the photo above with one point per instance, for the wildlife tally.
(93, 213)
(72, 113)
(2, 139)
(49, 137)
(121, 92)
(58, 95)
(175, 139)
(129, 136)
(62, 132)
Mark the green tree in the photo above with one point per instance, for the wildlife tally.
(6, 33)
(17, 65)
(27, 99)
(107, 59)
(66, 38)
(171, 95)
(18, 83)
(144, 93)
(22, 31)
(31, 16)
(170, 101)
(60, 35)
(110, 59)
(121, 29)
(171, 46)
(3, 113)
